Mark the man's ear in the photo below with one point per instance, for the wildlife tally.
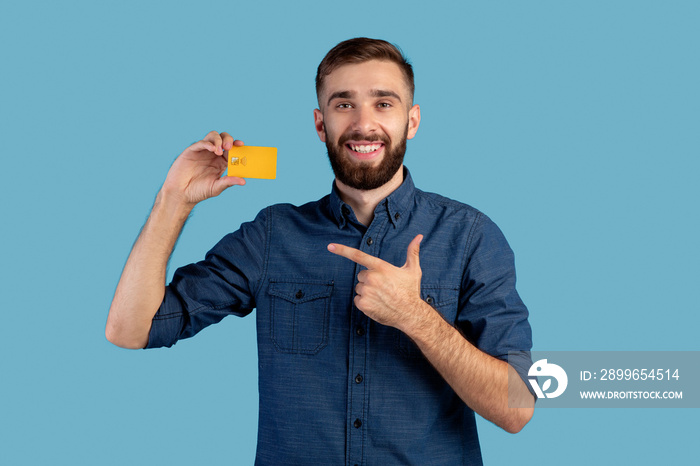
(413, 121)
(320, 126)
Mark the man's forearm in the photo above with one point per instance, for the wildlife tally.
(142, 285)
(391, 296)
(479, 379)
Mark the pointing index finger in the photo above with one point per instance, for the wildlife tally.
(355, 255)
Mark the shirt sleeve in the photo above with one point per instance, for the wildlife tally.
(223, 283)
(492, 316)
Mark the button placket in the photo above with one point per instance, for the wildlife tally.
(356, 391)
(360, 346)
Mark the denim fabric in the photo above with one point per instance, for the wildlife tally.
(336, 387)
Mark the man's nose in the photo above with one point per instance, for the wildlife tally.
(364, 121)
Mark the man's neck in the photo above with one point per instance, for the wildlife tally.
(364, 203)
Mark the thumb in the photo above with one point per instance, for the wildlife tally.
(413, 253)
(226, 182)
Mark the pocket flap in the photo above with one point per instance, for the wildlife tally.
(300, 291)
(439, 296)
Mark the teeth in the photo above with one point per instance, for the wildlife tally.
(365, 149)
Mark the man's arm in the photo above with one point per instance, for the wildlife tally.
(194, 176)
(478, 378)
(391, 296)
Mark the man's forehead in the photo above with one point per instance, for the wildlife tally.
(366, 78)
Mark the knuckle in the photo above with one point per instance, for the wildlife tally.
(371, 278)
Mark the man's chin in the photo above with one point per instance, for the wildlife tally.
(365, 175)
(365, 178)
(363, 165)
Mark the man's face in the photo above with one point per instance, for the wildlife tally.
(365, 118)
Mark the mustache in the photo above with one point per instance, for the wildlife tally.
(357, 136)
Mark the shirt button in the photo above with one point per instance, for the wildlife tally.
(429, 300)
(300, 294)
(397, 216)
(360, 331)
(358, 379)
(345, 210)
(357, 423)
(370, 241)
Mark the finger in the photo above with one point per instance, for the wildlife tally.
(202, 145)
(355, 255)
(362, 276)
(215, 138)
(226, 182)
(227, 140)
(359, 303)
(413, 253)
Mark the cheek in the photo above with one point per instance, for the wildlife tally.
(395, 131)
(332, 135)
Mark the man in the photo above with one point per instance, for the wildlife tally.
(385, 315)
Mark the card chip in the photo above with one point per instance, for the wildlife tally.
(253, 162)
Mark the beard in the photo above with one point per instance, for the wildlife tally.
(362, 175)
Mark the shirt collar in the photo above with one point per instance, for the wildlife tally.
(395, 205)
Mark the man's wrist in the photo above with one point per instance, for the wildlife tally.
(427, 327)
(173, 204)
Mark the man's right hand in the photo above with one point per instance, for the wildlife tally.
(194, 176)
(196, 173)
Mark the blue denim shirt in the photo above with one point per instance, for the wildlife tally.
(336, 387)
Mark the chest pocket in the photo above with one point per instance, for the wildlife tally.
(299, 314)
(444, 300)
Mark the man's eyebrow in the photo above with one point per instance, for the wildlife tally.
(384, 93)
(340, 95)
(373, 93)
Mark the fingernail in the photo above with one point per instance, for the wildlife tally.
(331, 247)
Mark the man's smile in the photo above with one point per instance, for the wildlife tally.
(365, 150)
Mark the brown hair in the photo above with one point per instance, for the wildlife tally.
(359, 50)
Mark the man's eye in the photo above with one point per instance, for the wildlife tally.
(344, 106)
(384, 105)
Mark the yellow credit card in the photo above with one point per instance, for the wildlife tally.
(253, 162)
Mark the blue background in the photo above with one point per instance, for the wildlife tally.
(574, 125)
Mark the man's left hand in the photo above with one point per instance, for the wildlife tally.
(391, 296)
(387, 294)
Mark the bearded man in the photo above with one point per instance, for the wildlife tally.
(386, 316)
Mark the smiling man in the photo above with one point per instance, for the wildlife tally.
(385, 315)
(369, 118)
